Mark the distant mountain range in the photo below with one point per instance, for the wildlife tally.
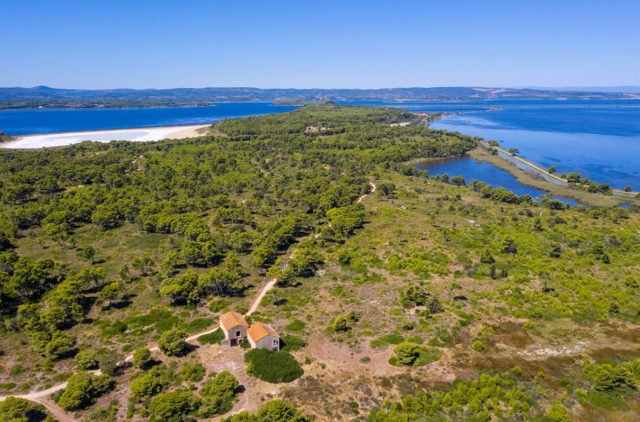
(46, 97)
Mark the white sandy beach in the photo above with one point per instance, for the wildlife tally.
(147, 134)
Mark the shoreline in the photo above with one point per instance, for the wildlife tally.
(143, 134)
(549, 182)
(586, 198)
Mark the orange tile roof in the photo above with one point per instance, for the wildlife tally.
(232, 319)
(259, 330)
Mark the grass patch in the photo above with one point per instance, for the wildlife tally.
(212, 338)
(296, 325)
(150, 318)
(17, 370)
(199, 324)
(218, 305)
(292, 343)
(393, 338)
(604, 399)
(273, 367)
(113, 329)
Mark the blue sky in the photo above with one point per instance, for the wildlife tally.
(321, 44)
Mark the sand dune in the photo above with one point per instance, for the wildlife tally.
(147, 134)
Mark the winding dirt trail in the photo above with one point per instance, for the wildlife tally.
(263, 292)
(41, 396)
(373, 189)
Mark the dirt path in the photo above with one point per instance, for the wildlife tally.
(263, 292)
(56, 411)
(373, 189)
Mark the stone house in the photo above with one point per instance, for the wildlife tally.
(263, 336)
(234, 327)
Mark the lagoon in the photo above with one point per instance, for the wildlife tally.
(600, 140)
(471, 169)
(22, 122)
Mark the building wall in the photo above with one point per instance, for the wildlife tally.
(232, 333)
(268, 342)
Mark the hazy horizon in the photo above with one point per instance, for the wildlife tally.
(611, 88)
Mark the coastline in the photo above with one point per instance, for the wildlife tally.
(587, 198)
(146, 134)
(537, 177)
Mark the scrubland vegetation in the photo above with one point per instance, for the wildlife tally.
(428, 299)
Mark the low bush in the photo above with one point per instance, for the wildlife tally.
(142, 357)
(291, 343)
(411, 354)
(173, 406)
(218, 394)
(21, 410)
(87, 359)
(273, 367)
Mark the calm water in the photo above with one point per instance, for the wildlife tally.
(471, 169)
(21, 122)
(598, 139)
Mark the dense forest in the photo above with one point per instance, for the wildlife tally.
(399, 296)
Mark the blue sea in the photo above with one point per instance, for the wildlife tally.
(22, 122)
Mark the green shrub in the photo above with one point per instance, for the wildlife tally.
(340, 324)
(192, 372)
(60, 345)
(486, 398)
(610, 377)
(14, 409)
(478, 346)
(173, 406)
(172, 342)
(411, 354)
(274, 367)
(17, 370)
(148, 384)
(217, 394)
(141, 357)
(558, 413)
(218, 305)
(272, 411)
(83, 389)
(87, 359)
(279, 411)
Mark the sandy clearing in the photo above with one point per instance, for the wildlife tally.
(148, 134)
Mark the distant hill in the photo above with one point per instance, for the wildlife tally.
(629, 89)
(46, 97)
